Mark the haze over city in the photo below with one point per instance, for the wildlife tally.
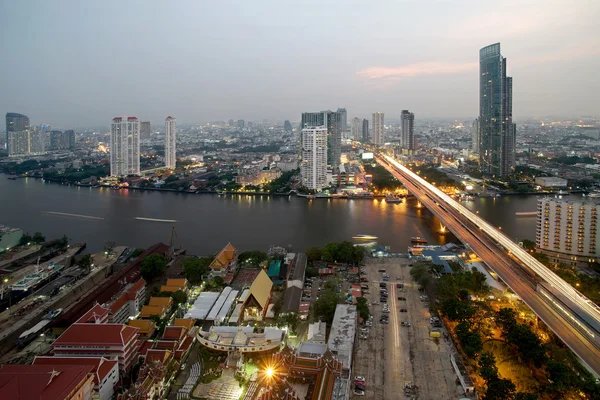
(73, 63)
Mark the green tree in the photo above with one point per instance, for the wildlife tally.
(179, 297)
(330, 252)
(25, 239)
(313, 254)
(526, 396)
(469, 339)
(362, 306)
(528, 244)
(195, 268)
(487, 366)
(456, 310)
(253, 257)
(153, 266)
(500, 389)
(291, 320)
(325, 306)
(311, 272)
(137, 252)
(506, 318)
(85, 262)
(171, 178)
(216, 283)
(38, 238)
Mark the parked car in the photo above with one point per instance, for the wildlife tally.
(403, 310)
(359, 392)
(405, 323)
(401, 298)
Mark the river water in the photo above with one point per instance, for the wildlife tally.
(205, 223)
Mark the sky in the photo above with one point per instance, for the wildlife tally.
(79, 63)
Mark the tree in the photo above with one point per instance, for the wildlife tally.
(137, 252)
(529, 244)
(108, 247)
(526, 396)
(456, 310)
(195, 269)
(38, 238)
(313, 254)
(179, 297)
(330, 252)
(171, 178)
(291, 320)
(25, 239)
(85, 262)
(253, 257)
(362, 306)
(153, 266)
(506, 318)
(500, 389)
(216, 283)
(469, 339)
(325, 306)
(487, 366)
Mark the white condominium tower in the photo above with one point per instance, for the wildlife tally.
(170, 158)
(356, 129)
(377, 129)
(125, 146)
(314, 157)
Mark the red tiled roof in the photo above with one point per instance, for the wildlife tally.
(131, 118)
(166, 344)
(117, 118)
(95, 313)
(157, 355)
(120, 302)
(81, 334)
(101, 366)
(41, 382)
(146, 345)
(173, 333)
(129, 294)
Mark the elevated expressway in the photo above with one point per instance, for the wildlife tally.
(570, 315)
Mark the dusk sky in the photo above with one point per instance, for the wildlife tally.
(74, 63)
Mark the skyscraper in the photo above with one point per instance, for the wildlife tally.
(407, 121)
(241, 123)
(496, 129)
(287, 126)
(125, 146)
(378, 136)
(343, 119)
(332, 121)
(145, 129)
(356, 129)
(365, 130)
(314, 157)
(37, 143)
(15, 123)
(170, 135)
(475, 137)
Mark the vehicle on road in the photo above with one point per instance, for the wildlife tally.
(359, 392)
(403, 310)
(405, 323)
(401, 298)
(359, 378)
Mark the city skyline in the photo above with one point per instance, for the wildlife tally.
(431, 75)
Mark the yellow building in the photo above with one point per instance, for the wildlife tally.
(187, 323)
(161, 301)
(146, 327)
(173, 285)
(257, 302)
(225, 260)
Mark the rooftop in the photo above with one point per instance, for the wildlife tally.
(101, 366)
(343, 330)
(108, 334)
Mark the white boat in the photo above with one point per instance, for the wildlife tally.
(364, 237)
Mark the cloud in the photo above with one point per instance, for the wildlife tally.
(425, 68)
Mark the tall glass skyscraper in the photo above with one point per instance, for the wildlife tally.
(497, 133)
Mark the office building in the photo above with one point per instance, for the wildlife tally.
(15, 123)
(475, 136)
(332, 121)
(314, 157)
(378, 135)
(59, 140)
(566, 230)
(407, 122)
(287, 126)
(365, 130)
(497, 131)
(230, 122)
(241, 123)
(343, 118)
(125, 146)
(170, 146)
(356, 129)
(145, 129)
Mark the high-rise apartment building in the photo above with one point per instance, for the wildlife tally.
(170, 149)
(407, 122)
(343, 118)
(333, 122)
(15, 123)
(475, 136)
(356, 129)
(18, 143)
(145, 129)
(378, 135)
(125, 146)
(365, 130)
(37, 141)
(497, 131)
(314, 157)
(287, 126)
(566, 230)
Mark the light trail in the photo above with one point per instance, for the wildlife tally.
(72, 215)
(524, 257)
(155, 219)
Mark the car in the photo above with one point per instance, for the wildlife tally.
(359, 392)
(382, 285)
(360, 387)
(401, 298)
(182, 366)
(405, 323)
(364, 279)
(381, 269)
(383, 299)
(359, 378)
(403, 310)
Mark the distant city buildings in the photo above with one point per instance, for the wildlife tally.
(343, 118)
(365, 130)
(407, 121)
(314, 157)
(241, 123)
(287, 126)
(475, 136)
(378, 123)
(170, 146)
(17, 134)
(335, 123)
(60, 140)
(356, 129)
(566, 230)
(145, 129)
(125, 146)
(497, 131)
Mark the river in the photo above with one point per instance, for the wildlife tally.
(205, 223)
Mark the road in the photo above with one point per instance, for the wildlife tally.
(393, 354)
(514, 275)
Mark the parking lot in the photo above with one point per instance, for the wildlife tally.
(394, 355)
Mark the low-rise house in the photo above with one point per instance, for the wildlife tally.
(146, 327)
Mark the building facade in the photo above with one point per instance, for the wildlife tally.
(145, 129)
(15, 123)
(334, 122)
(314, 157)
(497, 131)
(475, 136)
(407, 121)
(566, 230)
(356, 129)
(365, 130)
(170, 147)
(378, 122)
(125, 146)
(287, 126)
(60, 140)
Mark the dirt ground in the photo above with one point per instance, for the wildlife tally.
(393, 354)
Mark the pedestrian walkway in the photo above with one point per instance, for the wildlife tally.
(186, 390)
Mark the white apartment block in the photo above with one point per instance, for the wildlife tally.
(377, 130)
(314, 157)
(566, 230)
(125, 146)
(356, 129)
(170, 135)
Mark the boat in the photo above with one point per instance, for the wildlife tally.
(364, 237)
(418, 239)
(392, 199)
(563, 193)
(12, 178)
(361, 196)
(323, 196)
